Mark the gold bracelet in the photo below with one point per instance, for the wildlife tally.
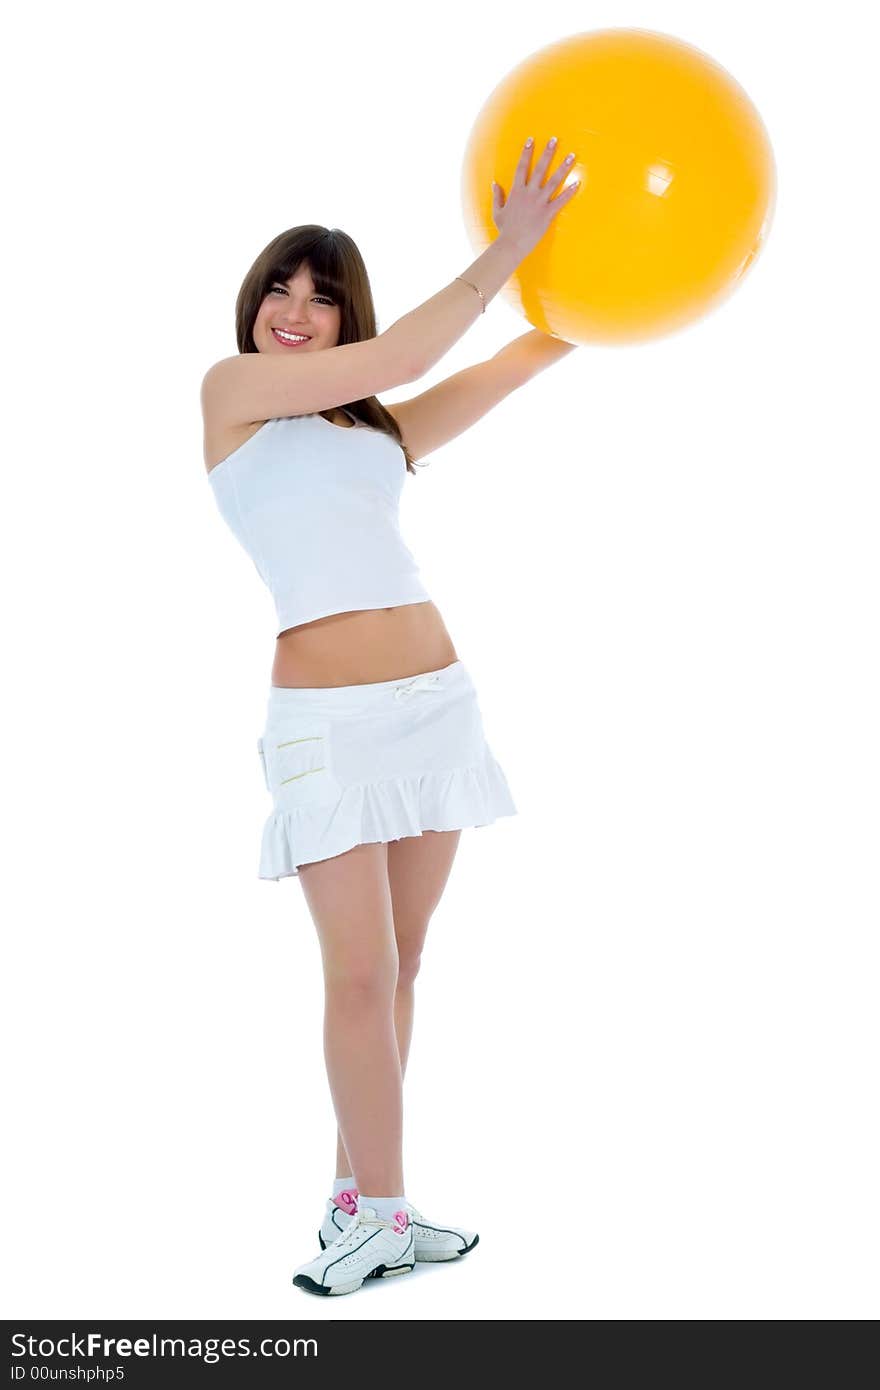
(473, 287)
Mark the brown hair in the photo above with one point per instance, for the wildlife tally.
(338, 271)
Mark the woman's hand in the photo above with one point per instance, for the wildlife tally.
(525, 215)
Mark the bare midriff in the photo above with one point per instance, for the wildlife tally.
(371, 644)
(354, 648)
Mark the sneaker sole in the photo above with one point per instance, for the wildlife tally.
(303, 1281)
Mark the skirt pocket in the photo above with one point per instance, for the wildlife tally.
(262, 756)
(297, 758)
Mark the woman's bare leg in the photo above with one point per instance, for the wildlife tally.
(350, 903)
(418, 871)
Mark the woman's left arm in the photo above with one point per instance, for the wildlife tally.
(526, 356)
(430, 420)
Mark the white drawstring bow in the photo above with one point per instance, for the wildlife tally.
(428, 681)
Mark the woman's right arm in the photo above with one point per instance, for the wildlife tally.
(259, 386)
(427, 333)
(266, 385)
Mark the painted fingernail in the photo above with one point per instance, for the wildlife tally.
(530, 141)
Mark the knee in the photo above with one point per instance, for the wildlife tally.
(408, 967)
(359, 983)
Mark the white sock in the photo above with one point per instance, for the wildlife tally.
(343, 1184)
(385, 1207)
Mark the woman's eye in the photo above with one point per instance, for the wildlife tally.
(277, 289)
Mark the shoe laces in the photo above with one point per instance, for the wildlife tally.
(357, 1222)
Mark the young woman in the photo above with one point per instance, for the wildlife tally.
(373, 747)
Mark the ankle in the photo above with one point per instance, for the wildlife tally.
(387, 1209)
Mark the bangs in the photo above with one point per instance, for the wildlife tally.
(326, 275)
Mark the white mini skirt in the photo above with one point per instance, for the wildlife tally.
(352, 765)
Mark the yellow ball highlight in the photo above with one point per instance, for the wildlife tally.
(678, 184)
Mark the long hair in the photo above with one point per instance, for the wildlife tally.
(338, 271)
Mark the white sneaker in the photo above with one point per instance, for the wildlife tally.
(432, 1242)
(368, 1248)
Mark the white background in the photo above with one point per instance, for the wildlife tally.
(643, 1064)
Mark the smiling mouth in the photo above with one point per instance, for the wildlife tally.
(288, 342)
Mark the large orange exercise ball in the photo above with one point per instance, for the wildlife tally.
(677, 190)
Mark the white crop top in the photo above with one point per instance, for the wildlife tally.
(315, 505)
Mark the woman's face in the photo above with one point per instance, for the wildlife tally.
(295, 307)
